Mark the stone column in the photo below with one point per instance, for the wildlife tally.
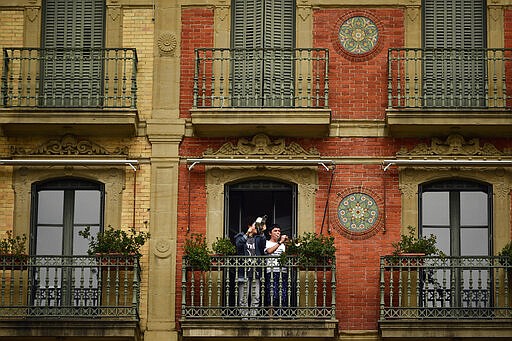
(165, 130)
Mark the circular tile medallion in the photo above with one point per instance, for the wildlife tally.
(358, 212)
(358, 35)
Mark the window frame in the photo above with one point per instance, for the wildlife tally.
(66, 184)
(453, 186)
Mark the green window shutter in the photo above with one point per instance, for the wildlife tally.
(454, 57)
(72, 67)
(247, 42)
(263, 70)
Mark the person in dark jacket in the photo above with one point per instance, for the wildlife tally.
(250, 244)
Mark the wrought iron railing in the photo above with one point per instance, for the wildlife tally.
(445, 288)
(69, 77)
(449, 78)
(75, 287)
(273, 78)
(303, 292)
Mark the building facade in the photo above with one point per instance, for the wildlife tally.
(353, 120)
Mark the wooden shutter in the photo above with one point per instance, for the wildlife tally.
(72, 50)
(248, 53)
(263, 68)
(279, 40)
(454, 42)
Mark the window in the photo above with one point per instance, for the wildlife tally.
(62, 208)
(263, 40)
(258, 197)
(72, 41)
(459, 213)
(454, 61)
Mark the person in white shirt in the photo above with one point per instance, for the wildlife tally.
(276, 276)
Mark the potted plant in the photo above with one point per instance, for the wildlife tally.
(13, 253)
(115, 243)
(505, 255)
(197, 252)
(312, 249)
(411, 245)
(413, 248)
(223, 247)
(505, 259)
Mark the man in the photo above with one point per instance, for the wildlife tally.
(276, 276)
(250, 244)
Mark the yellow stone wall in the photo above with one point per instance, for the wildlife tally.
(11, 35)
(138, 32)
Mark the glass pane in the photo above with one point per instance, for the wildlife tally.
(87, 207)
(473, 209)
(80, 244)
(49, 240)
(435, 208)
(50, 207)
(474, 242)
(443, 238)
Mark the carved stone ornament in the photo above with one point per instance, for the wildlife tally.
(304, 12)
(32, 13)
(413, 12)
(261, 144)
(453, 145)
(495, 12)
(221, 12)
(114, 12)
(162, 248)
(167, 42)
(68, 145)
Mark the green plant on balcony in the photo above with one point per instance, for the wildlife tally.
(197, 252)
(311, 249)
(13, 253)
(410, 244)
(13, 245)
(115, 241)
(223, 247)
(505, 254)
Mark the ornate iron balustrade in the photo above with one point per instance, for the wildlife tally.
(272, 78)
(81, 287)
(309, 291)
(445, 288)
(69, 78)
(449, 78)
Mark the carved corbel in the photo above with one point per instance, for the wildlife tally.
(114, 12)
(495, 12)
(304, 9)
(32, 13)
(412, 13)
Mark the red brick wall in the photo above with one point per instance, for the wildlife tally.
(358, 88)
(196, 32)
(507, 26)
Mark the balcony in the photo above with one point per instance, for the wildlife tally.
(59, 296)
(445, 297)
(57, 91)
(210, 304)
(241, 92)
(445, 91)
